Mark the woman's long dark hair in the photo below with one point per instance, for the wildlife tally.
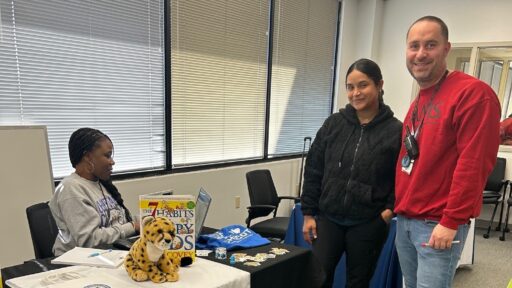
(85, 140)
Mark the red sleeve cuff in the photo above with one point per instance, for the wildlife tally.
(450, 223)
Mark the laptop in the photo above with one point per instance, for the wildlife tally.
(203, 202)
(202, 205)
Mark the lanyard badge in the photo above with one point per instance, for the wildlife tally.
(411, 146)
(410, 142)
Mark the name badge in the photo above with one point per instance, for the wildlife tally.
(407, 164)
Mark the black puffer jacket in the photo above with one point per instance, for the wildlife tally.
(350, 168)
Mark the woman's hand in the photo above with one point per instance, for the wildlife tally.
(309, 228)
(387, 215)
(136, 224)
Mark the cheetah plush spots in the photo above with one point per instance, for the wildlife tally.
(148, 258)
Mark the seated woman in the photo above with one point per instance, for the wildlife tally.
(87, 207)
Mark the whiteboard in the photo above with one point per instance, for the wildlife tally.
(25, 179)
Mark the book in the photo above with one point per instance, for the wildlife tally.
(92, 257)
(180, 209)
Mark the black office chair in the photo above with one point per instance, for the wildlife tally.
(43, 229)
(495, 190)
(509, 203)
(264, 200)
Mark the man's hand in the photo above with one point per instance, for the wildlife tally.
(442, 237)
(309, 228)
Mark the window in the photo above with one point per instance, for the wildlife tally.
(302, 71)
(242, 86)
(218, 80)
(70, 64)
(491, 63)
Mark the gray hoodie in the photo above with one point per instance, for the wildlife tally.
(86, 215)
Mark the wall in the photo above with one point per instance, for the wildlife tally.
(467, 20)
(223, 184)
(26, 179)
(358, 37)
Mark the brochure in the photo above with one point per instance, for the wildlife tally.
(92, 257)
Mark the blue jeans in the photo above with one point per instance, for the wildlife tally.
(424, 266)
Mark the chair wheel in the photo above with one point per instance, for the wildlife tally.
(486, 236)
(502, 238)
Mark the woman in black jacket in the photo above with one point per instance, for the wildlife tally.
(348, 192)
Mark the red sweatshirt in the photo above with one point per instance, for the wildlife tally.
(458, 146)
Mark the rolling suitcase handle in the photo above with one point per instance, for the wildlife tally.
(306, 139)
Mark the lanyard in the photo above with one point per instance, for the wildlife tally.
(415, 132)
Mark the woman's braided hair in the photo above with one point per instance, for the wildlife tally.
(85, 140)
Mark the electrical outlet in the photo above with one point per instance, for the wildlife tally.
(237, 202)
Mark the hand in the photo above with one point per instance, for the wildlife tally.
(309, 228)
(136, 223)
(441, 237)
(387, 215)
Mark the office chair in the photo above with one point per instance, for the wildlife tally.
(43, 229)
(264, 200)
(495, 190)
(509, 203)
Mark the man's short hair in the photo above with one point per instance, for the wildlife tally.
(442, 25)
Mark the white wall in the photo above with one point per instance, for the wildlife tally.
(467, 20)
(359, 18)
(223, 184)
(25, 179)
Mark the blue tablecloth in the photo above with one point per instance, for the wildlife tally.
(387, 274)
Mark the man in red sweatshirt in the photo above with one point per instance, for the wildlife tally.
(451, 139)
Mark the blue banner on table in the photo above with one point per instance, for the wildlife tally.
(231, 237)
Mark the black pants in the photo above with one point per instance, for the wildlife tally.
(362, 244)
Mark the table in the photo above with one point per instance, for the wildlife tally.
(298, 268)
(203, 273)
(388, 273)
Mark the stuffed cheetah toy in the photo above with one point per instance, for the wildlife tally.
(148, 258)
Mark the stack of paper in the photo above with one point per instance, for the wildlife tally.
(92, 257)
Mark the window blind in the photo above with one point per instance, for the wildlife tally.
(302, 71)
(71, 64)
(218, 75)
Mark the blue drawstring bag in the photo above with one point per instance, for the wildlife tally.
(231, 237)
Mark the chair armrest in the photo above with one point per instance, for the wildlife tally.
(288, 198)
(261, 207)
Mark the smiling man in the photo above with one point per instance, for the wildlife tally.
(451, 138)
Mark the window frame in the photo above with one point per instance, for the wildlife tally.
(168, 102)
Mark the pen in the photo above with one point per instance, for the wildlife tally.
(100, 253)
(428, 245)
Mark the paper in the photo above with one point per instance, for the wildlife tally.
(203, 253)
(82, 256)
